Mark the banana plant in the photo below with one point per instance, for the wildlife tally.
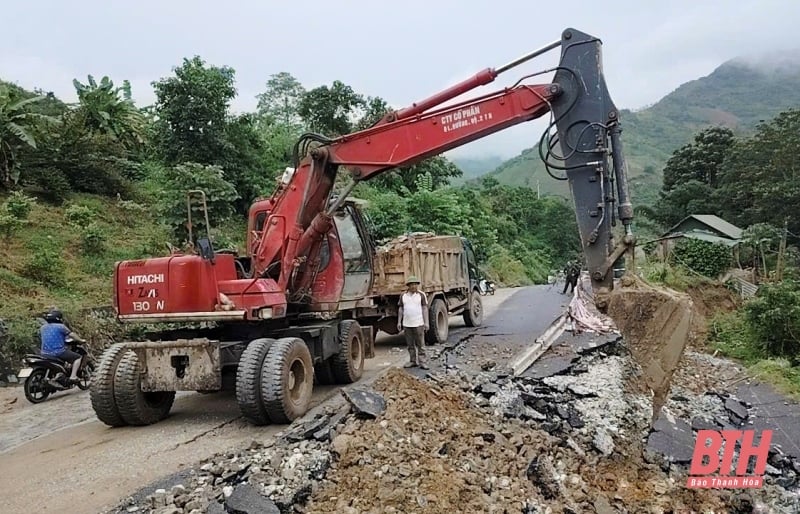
(110, 110)
(16, 131)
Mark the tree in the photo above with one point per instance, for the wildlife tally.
(247, 160)
(107, 110)
(331, 111)
(192, 109)
(693, 174)
(17, 124)
(401, 180)
(762, 178)
(375, 108)
(700, 160)
(690, 197)
(280, 102)
(174, 185)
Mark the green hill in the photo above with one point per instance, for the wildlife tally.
(736, 94)
(475, 167)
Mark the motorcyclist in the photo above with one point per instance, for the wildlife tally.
(54, 335)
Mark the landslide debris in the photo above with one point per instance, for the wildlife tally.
(436, 450)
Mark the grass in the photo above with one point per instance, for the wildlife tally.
(730, 334)
(48, 262)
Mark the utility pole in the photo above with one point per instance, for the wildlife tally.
(782, 250)
(538, 194)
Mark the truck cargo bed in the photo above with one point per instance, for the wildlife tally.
(438, 261)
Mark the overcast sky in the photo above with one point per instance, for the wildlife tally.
(404, 52)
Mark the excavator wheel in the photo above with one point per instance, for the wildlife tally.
(248, 381)
(287, 379)
(473, 315)
(135, 406)
(101, 391)
(439, 323)
(348, 364)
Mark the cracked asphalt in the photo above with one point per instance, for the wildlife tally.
(56, 456)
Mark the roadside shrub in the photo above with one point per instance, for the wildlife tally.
(80, 215)
(774, 315)
(504, 269)
(9, 224)
(19, 205)
(732, 335)
(93, 239)
(703, 257)
(46, 266)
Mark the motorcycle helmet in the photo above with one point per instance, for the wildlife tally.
(54, 316)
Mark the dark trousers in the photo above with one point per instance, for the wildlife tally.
(415, 340)
(571, 283)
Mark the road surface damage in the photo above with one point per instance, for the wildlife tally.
(577, 441)
(594, 426)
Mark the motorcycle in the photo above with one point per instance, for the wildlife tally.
(487, 287)
(46, 375)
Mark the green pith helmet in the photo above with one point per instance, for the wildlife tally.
(412, 280)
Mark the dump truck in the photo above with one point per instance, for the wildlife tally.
(449, 276)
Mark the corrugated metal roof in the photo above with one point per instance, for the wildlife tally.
(712, 238)
(714, 222)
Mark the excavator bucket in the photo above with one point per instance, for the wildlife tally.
(655, 324)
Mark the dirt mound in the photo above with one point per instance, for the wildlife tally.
(655, 324)
(434, 451)
(709, 299)
(429, 452)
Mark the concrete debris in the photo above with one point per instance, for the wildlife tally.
(366, 404)
(246, 500)
(674, 441)
(571, 435)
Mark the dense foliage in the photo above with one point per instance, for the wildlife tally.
(87, 184)
(703, 257)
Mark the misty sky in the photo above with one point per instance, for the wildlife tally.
(402, 51)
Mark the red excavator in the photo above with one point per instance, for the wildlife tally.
(302, 295)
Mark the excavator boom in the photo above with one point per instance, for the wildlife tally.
(586, 151)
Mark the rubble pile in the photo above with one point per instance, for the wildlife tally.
(268, 478)
(576, 440)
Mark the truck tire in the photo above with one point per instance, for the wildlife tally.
(439, 323)
(323, 373)
(135, 406)
(473, 315)
(248, 381)
(287, 379)
(101, 390)
(348, 364)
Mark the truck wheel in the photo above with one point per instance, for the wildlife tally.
(439, 323)
(473, 316)
(348, 364)
(287, 380)
(248, 381)
(135, 406)
(323, 373)
(101, 390)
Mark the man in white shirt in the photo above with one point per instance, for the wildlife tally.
(412, 319)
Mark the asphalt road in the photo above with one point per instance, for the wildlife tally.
(57, 456)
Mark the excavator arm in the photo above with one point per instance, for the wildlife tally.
(586, 151)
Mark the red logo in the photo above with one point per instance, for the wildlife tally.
(706, 460)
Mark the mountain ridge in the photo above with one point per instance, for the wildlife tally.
(737, 94)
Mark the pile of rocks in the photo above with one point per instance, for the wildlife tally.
(570, 436)
(264, 478)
